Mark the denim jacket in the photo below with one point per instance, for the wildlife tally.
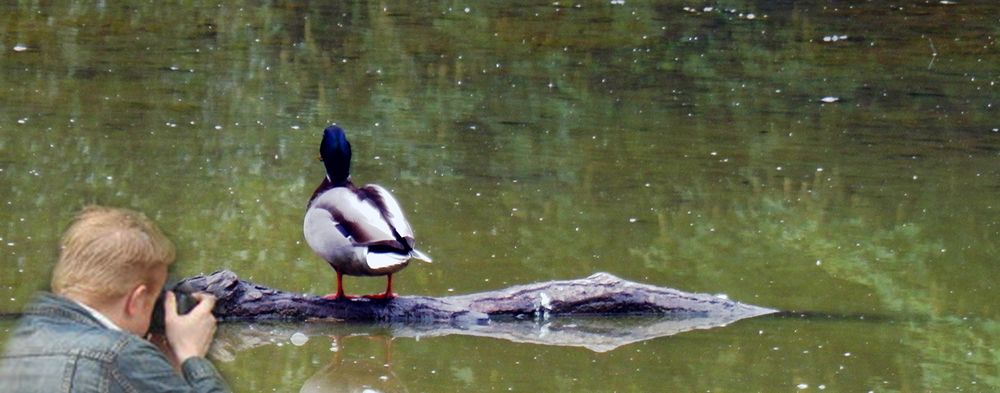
(59, 347)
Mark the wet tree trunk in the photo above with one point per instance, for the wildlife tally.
(599, 294)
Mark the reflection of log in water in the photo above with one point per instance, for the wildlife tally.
(534, 313)
(598, 334)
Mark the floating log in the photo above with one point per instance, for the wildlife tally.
(564, 313)
(599, 294)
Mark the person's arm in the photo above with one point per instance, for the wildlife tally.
(141, 367)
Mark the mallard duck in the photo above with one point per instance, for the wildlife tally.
(358, 231)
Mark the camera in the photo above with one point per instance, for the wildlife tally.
(185, 303)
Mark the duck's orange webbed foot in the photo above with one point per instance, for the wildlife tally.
(382, 296)
(338, 296)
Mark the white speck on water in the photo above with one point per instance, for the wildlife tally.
(830, 99)
(822, 387)
(778, 168)
(751, 16)
(617, 2)
(20, 47)
(802, 386)
(218, 127)
(299, 339)
(22, 120)
(295, 127)
(819, 262)
(632, 219)
(847, 354)
(722, 296)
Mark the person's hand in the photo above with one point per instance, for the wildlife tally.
(190, 334)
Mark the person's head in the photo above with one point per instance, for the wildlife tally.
(113, 257)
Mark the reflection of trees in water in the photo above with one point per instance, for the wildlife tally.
(806, 228)
(819, 228)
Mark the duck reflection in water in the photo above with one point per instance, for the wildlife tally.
(358, 374)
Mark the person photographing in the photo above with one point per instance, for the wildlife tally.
(87, 335)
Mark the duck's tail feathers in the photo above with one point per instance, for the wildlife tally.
(382, 260)
(416, 254)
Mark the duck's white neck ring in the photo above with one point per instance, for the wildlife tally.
(329, 180)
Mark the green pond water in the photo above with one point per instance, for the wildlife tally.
(839, 159)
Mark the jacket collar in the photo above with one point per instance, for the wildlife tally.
(52, 305)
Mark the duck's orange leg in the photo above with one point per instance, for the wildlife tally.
(388, 291)
(340, 290)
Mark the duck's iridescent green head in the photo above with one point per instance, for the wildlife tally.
(335, 151)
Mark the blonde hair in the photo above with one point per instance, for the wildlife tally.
(107, 251)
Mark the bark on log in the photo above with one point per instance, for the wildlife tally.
(599, 294)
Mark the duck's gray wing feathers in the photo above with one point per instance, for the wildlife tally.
(361, 219)
(394, 214)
